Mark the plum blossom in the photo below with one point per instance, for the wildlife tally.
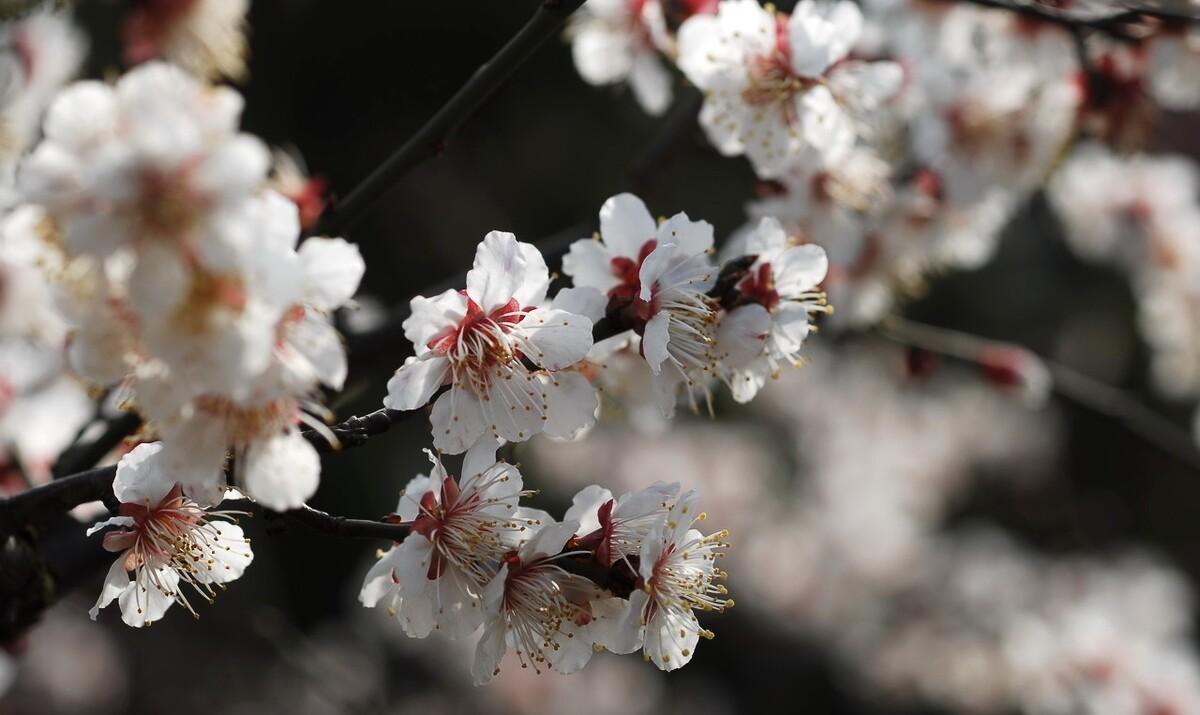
(477, 341)
(780, 88)
(536, 608)
(678, 573)
(1173, 68)
(154, 162)
(614, 529)
(773, 305)
(460, 532)
(656, 278)
(166, 541)
(205, 37)
(203, 403)
(40, 53)
(619, 41)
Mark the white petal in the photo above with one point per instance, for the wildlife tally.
(142, 477)
(282, 472)
(415, 382)
(333, 269)
(671, 638)
(626, 224)
(589, 263)
(111, 521)
(742, 335)
(602, 55)
(381, 580)
(499, 270)
(115, 583)
(479, 457)
(558, 339)
(142, 603)
(691, 237)
(514, 406)
(536, 279)
(799, 269)
(651, 83)
(572, 405)
(489, 652)
(234, 169)
(655, 339)
(319, 347)
(587, 302)
(548, 540)
(585, 506)
(231, 555)
(432, 316)
(457, 420)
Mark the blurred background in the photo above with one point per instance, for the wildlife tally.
(908, 537)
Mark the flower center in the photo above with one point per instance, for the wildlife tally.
(480, 343)
(759, 287)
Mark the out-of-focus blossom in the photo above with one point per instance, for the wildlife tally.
(619, 41)
(205, 37)
(154, 162)
(779, 88)
(476, 342)
(40, 53)
(1174, 68)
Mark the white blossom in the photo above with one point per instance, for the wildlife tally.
(166, 542)
(779, 88)
(476, 341)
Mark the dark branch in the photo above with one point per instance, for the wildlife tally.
(82, 455)
(341, 526)
(432, 138)
(40, 503)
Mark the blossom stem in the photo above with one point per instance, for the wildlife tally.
(1088, 392)
(432, 138)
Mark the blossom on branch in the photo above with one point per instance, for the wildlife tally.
(166, 541)
(504, 356)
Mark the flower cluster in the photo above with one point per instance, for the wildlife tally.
(477, 561)
(180, 274)
(515, 365)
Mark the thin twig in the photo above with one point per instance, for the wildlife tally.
(1072, 384)
(432, 138)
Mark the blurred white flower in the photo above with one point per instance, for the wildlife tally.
(779, 88)
(618, 41)
(205, 37)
